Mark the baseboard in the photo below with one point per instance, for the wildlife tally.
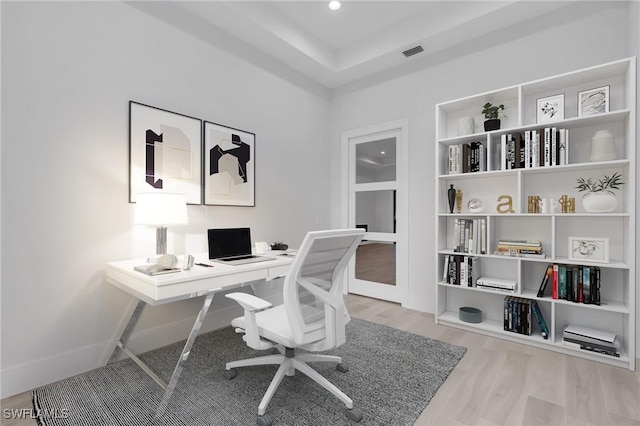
(28, 376)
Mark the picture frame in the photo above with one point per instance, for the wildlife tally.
(165, 152)
(229, 166)
(589, 249)
(593, 101)
(550, 109)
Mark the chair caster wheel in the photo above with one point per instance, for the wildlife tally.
(354, 414)
(264, 420)
(230, 374)
(342, 368)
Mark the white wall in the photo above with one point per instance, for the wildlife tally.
(69, 70)
(560, 42)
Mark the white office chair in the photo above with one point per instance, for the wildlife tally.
(312, 317)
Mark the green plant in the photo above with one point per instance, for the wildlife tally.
(606, 183)
(491, 111)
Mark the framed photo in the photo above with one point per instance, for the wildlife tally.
(593, 101)
(229, 166)
(165, 152)
(550, 109)
(589, 249)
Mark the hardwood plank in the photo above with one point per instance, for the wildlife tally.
(546, 378)
(472, 393)
(541, 412)
(584, 396)
(507, 399)
(20, 411)
(621, 391)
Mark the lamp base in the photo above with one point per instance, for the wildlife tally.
(161, 240)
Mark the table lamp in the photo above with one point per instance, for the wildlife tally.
(161, 209)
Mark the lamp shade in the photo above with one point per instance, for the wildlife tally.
(160, 209)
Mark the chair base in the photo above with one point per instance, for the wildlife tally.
(289, 362)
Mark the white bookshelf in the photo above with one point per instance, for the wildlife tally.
(617, 311)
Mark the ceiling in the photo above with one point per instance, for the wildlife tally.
(360, 40)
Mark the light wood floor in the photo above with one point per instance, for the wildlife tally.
(497, 382)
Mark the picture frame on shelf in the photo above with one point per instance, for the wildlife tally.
(550, 109)
(165, 152)
(229, 166)
(593, 101)
(589, 249)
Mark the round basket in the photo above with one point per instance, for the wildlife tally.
(469, 314)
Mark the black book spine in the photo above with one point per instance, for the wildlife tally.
(597, 276)
(569, 284)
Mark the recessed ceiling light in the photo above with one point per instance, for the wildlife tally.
(334, 5)
(382, 152)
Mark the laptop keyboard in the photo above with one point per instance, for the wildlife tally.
(249, 256)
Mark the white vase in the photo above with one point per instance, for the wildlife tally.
(603, 146)
(599, 202)
(466, 126)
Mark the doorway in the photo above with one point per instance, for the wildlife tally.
(375, 196)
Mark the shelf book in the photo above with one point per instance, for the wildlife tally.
(467, 158)
(470, 236)
(519, 247)
(520, 314)
(575, 283)
(538, 148)
(461, 270)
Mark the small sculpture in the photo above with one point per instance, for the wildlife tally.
(505, 204)
(451, 196)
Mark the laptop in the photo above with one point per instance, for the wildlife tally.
(232, 246)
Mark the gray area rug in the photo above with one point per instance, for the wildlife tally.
(392, 377)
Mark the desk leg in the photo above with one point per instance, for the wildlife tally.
(128, 330)
(173, 381)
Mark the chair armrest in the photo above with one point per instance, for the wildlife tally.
(252, 304)
(249, 302)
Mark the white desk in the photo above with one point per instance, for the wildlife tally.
(197, 282)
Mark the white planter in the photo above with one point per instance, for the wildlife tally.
(599, 202)
(466, 126)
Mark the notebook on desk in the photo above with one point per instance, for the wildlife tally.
(232, 246)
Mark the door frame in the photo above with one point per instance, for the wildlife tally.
(401, 126)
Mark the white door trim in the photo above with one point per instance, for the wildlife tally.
(400, 126)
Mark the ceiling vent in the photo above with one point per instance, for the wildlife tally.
(413, 51)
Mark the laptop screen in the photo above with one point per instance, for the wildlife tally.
(229, 242)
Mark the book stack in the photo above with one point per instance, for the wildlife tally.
(538, 148)
(523, 248)
(461, 270)
(490, 283)
(590, 339)
(575, 283)
(467, 158)
(520, 314)
(470, 236)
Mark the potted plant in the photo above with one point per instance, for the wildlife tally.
(492, 114)
(600, 197)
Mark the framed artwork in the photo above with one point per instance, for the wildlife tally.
(165, 152)
(590, 249)
(593, 101)
(550, 109)
(229, 166)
